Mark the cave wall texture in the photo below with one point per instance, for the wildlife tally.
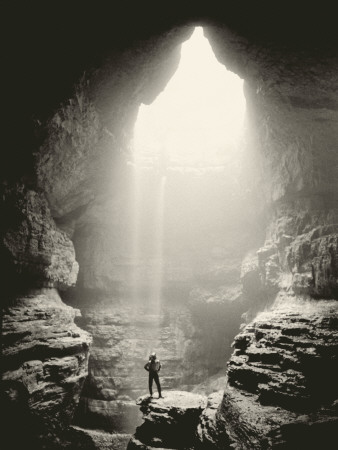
(76, 76)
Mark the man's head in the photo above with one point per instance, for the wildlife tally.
(152, 356)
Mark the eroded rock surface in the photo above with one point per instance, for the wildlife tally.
(282, 388)
(45, 362)
(288, 356)
(210, 435)
(169, 422)
(33, 250)
(249, 424)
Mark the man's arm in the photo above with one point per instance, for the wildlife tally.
(147, 366)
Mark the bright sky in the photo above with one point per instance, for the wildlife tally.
(199, 115)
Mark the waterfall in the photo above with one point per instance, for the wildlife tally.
(147, 216)
(157, 281)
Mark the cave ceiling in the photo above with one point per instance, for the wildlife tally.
(50, 45)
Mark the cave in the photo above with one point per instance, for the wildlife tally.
(240, 303)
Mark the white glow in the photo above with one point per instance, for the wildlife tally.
(198, 118)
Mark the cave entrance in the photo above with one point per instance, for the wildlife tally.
(186, 160)
(178, 239)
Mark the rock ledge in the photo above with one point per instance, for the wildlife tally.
(169, 422)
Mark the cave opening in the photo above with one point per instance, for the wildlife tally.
(168, 243)
(186, 159)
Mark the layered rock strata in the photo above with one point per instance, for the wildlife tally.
(45, 362)
(170, 422)
(287, 356)
(245, 423)
(282, 378)
(45, 355)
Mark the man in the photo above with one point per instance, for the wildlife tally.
(153, 366)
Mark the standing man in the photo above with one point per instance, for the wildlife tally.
(153, 366)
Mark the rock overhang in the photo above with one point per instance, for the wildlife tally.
(90, 34)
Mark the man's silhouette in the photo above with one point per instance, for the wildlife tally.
(153, 366)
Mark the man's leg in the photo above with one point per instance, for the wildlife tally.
(157, 381)
(151, 383)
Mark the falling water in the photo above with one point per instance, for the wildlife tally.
(135, 230)
(147, 261)
(147, 215)
(157, 281)
(181, 132)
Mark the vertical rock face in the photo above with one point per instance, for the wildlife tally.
(32, 249)
(45, 361)
(74, 133)
(282, 390)
(44, 354)
(209, 434)
(287, 356)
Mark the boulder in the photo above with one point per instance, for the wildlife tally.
(210, 436)
(169, 422)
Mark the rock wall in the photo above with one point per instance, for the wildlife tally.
(45, 362)
(33, 250)
(44, 354)
(287, 355)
